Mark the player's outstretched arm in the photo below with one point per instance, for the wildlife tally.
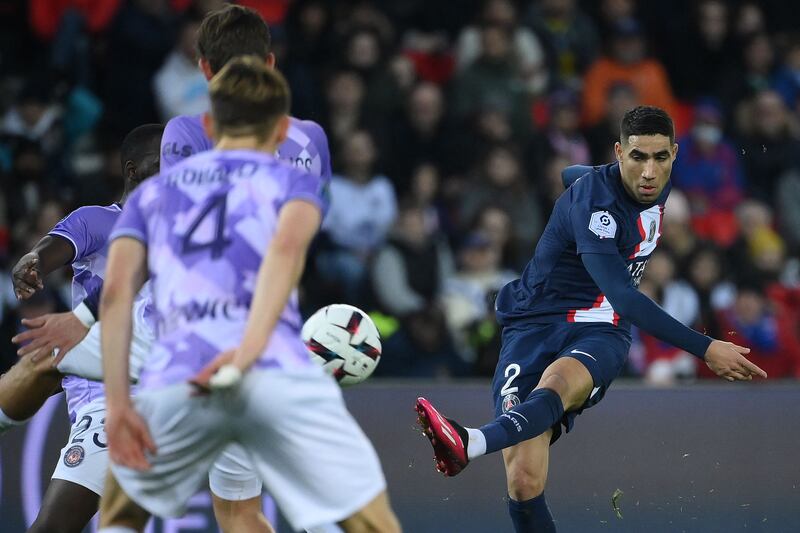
(45, 333)
(126, 272)
(278, 275)
(612, 277)
(50, 253)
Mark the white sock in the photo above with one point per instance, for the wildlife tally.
(7, 423)
(477, 443)
(116, 529)
(330, 528)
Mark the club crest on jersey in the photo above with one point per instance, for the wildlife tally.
(510, 401)
(603, 225)
(652, 233)
(74, 456)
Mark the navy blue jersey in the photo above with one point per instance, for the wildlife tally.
(594, 215)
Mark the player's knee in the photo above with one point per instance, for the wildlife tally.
(524, 482)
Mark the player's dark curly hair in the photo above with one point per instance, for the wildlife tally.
(230, 32)
(646, 120)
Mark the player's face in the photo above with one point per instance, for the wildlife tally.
(645, 162)
(147, 166)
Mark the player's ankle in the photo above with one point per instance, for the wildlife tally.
(476, 443)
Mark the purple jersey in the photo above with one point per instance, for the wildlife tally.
(306, 146)
(207, 223)
(87, 229)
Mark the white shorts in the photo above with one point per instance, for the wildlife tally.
(233, 476)
(85, 359)
(307, 449)
(84, 459)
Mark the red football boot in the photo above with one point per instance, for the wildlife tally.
(448, 438)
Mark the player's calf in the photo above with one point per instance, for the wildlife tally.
(375, 517)
(24, 389)
(526, 474)
(119, 513)
(243, 516)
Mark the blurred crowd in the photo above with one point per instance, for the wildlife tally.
(449, 124)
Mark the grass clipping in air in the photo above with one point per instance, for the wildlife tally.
(615, 502)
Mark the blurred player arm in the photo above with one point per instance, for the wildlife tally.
(50, 253)
(126, 272)
(278, 275)
(611, 275)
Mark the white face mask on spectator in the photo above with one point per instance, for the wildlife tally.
(707, 133)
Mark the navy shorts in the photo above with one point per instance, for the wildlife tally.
(527, 350)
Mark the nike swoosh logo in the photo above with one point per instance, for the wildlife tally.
(584, 353)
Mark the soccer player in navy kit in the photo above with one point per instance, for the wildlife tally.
(566, 321)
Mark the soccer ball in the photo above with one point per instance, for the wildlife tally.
(344, 341)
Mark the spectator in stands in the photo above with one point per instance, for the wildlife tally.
(569, 37)
(141, 36)
(755, 220)
(344, 95)
(754, 74)
(310, 46)
(494, 222)
(179, 85)
(563, 135)
(410, 269)
(751, 321)
(468, 295)
(408, 276)
(525, 45)
(664, 363)
(787, 80)
(36, 117)
(706, 52)
(677, 236)
(500, 178)
(610, 12)
(362, 210)
(627, 62)
(550, 186)
(364, 52)
(749, 19)
(419, 134)
(620, 97)
(424, 194)
(707, 276)
(494, 81)
(769, 146)
(708, 171)
(47, 16)
(788, 198)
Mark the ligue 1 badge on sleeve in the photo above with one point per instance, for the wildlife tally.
(74, 456)
(510, 401)
(603, 225)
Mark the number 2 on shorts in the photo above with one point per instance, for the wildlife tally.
(512, 371)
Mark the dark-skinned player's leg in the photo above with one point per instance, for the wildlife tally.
(25, 388)
(66, 508)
